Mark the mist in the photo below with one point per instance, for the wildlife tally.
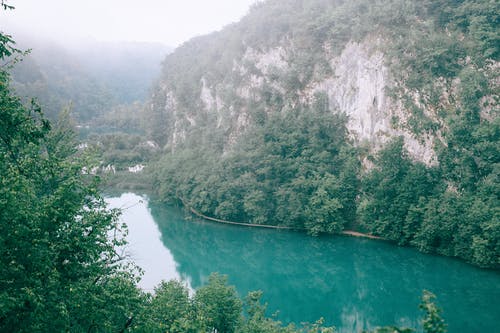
(95, 55)
(167, 22)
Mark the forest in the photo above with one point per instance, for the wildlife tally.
(60, 265)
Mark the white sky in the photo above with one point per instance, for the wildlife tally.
(171, 22)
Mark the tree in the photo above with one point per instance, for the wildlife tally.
(392, 191)
(256, 321)
(324, 212)
(218, 304)
(59, 265)
(432, 322)
(169, 310)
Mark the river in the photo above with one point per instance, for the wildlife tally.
(353, 283)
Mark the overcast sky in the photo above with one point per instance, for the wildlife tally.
(171, 22)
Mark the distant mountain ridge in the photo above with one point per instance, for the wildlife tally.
(90, 76)
(126, 68)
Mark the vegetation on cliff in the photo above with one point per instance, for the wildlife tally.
(274, 158)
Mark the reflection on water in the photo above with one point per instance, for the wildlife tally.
(144, 245)
(353, 283)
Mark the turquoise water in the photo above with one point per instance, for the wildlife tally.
(353, 283)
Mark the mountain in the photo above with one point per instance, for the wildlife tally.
(93, 77)
(379, 116)
(389, 65)
(125, 68)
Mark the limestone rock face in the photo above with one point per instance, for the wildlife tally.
(359, 89)
(357, 84)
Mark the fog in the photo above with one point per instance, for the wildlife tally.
(169, 22)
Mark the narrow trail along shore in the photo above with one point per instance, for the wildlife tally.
(252, 225)
(360, 234)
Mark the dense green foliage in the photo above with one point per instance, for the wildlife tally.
(452, 208)
(60, 269)
(435, 209)
(294, 164)
(296, 170)
(120, 150)
(433, 323)
(216, 307)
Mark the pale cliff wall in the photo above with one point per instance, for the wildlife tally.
(357, 85)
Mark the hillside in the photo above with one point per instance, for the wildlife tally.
(94, 78)
(380, 116)
(126, 68)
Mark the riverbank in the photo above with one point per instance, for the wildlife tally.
(350, 233)
(360, 234)
(321, 274)
(123, 181)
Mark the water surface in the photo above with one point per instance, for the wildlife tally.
(353, 283)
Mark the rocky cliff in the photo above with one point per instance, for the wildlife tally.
(227, 81)
(326, 115)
